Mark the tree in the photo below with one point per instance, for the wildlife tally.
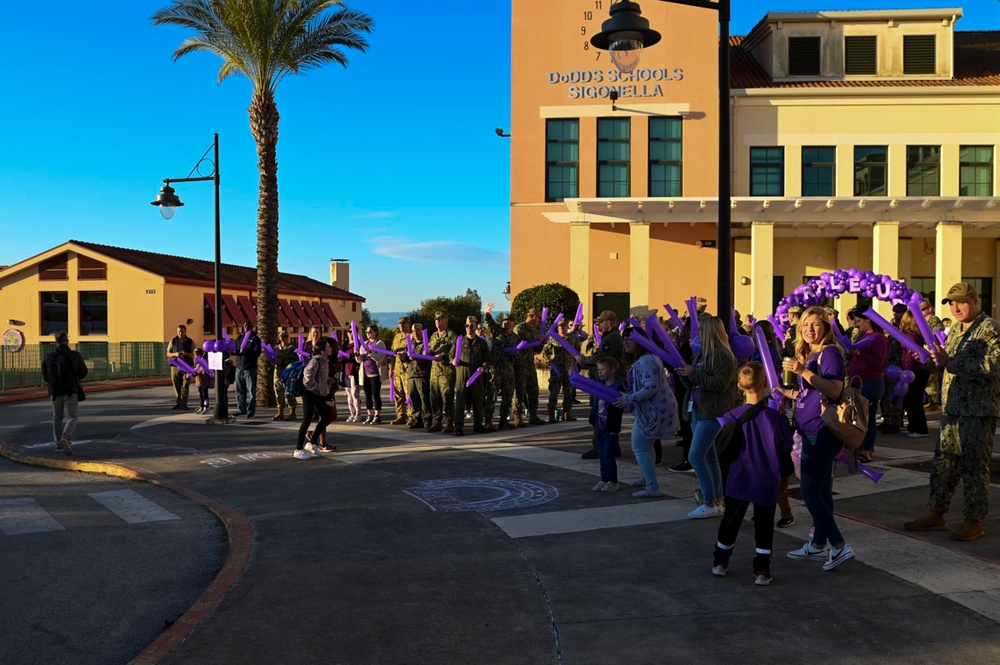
(265, 41)
(555, 296)
(457, 308)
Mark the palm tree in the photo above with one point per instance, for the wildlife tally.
(265, 41)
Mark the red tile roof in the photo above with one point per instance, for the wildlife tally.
(977, 63)
(183, 268)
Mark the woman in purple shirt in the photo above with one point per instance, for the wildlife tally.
(819, 364)
(868, 361)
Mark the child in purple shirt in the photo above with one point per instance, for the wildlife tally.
(754, 476)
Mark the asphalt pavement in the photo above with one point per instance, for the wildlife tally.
(408, 547)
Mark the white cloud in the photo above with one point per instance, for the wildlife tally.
(442, 252)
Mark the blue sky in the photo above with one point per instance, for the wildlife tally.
(392, 162)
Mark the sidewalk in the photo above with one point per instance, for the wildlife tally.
(405, 547)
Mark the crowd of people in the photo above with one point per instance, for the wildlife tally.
(713, 392)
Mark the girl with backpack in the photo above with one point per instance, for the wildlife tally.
(316, 384)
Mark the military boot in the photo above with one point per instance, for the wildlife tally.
(970, 530)
(436, 427)
(534, 419)
(448, 429)
(400, 420)
(933, 520)
(519, 421)
(280, 415)
(291, 414)
(488, 425)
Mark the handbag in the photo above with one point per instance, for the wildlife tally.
(847, 418)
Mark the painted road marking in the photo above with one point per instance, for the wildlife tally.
(132, 506)
(24, 515)
(590, 519)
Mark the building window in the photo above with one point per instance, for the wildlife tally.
(923, 170)
(93, 313)
(860, 55)
(613, 155)
(975, 170)
(819, 169)
(55, 268)
(562, 159)
(88, 268)
(871, 168)
(665, 156)
(767, 171)
(354, 305)
(803, 56)
(55, 312)
(919, 54)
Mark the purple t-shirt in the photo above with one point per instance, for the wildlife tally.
(755, 475)
(829, 364)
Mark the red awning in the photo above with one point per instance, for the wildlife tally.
(300, 313)
(316, 312)
(285, 317)
(248, 309)
(334, 323)
(229, 305)
(226, 319)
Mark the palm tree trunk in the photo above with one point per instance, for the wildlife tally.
(264, 127)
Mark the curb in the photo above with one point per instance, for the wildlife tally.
(238, 528)
(90, 388)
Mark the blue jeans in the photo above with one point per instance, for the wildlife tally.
(816, 485)
(642, 447)
(246, 391)
(704, 458)
(873, 390)
(606, 444)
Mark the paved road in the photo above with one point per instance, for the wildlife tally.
(405, 547)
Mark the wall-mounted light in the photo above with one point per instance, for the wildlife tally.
(613, 96)
(15, 322)
(506, 292)
(501, 134)
(745, 281)
(190, 321)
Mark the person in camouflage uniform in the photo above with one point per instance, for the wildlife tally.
(933, 388)
(417, 374)
(501, 369)
(610, 345)
(525, 377)
(442, 343)
(892, 415)
(971, 404)
(475, 354)
(286, 356)
(398, 374)
(558, 357)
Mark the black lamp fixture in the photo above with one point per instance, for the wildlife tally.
(624, 35)
(501, 134)
(506, 292)
(168, 202)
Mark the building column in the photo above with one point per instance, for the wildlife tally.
(847, 258)
(885, 259)
(638, 264)
(947, 261)
(579, 267)
(762, 269)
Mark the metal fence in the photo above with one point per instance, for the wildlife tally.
(124, 360)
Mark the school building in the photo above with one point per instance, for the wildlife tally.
(860, 139)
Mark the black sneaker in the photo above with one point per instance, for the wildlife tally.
(590, 454)
(618, 451)
(681, 468)
(786, 522)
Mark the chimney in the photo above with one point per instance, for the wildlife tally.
(340, 274)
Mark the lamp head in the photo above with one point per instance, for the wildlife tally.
(167, 201)
(624, 35)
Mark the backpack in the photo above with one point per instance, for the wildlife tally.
(730, 441)
(291, 376)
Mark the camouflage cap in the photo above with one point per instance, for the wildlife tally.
(470, 320)
(961, 292)
(440, 315)
(505, 317)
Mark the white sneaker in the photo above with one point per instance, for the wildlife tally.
(350, 419)
(610, 487)
(312, 450)
(703, 512)
(719, 570)
(599, 487)
(301, 454)
(915, 435)
(808, 553)
(838, 557)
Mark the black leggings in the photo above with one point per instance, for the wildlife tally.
(763, 526)
(313, 405)
(913, 402)
(373, 392)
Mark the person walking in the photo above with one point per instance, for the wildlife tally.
(970, 398)
(286, 356)
(316, 384)
(819, 366)
(181, 347)
(248, 350)
(62, 370)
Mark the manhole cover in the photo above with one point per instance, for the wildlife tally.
(482, 494)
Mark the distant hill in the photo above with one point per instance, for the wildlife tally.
(388, 319)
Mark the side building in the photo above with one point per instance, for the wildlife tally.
(860, 139)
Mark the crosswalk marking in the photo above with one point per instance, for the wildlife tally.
(589, 519)
(132, 506)
(24, 515)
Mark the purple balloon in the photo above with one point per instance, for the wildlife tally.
(742, 345)
(892, 372)
(209, 346)
(906, 376)
(901, 389)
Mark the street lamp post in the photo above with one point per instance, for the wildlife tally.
(624, 35)
(168, 202)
